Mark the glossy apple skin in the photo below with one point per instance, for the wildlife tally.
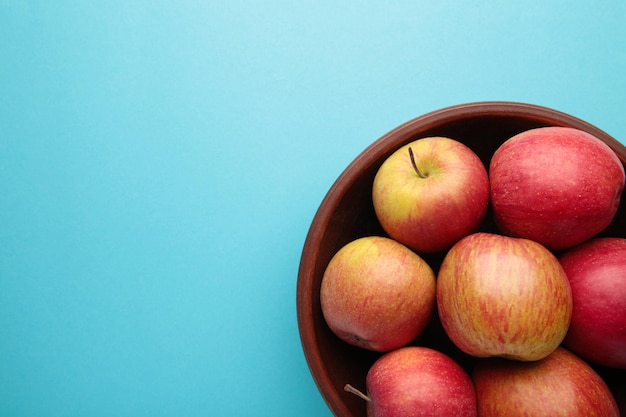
(419, 381)
(562, 384)
(596, 270)
(503, 296)
(430, 214)
(377, 294)
(558, 186)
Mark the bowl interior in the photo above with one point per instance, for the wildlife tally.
(347, 213)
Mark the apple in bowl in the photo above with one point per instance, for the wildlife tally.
(596, 270)
(503, 296)
(561, 384)
(430, 193)
(418, 381)
(377, 294)
(556, 185)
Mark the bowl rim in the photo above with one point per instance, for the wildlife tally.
(372, 153)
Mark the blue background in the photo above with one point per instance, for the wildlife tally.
(161, 162)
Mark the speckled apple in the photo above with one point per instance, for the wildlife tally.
(558, 186)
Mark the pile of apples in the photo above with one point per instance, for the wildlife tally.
(536, 303)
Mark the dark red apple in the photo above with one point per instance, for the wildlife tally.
(596, 270)
(555, 185)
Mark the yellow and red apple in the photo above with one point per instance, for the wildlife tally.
(377, 294)
(503, 296)
(430, 193)
(562, 384)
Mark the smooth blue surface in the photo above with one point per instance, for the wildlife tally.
(161, 162)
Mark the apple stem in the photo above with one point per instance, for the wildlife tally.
(349, 388)
(419, 173)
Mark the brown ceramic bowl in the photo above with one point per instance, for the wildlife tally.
(346, 213)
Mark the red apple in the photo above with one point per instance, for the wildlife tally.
(430, 193)
(377, 294)
(419, 381)
(596, 270)
(503, 296)
(558, 186)
(562, 384)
